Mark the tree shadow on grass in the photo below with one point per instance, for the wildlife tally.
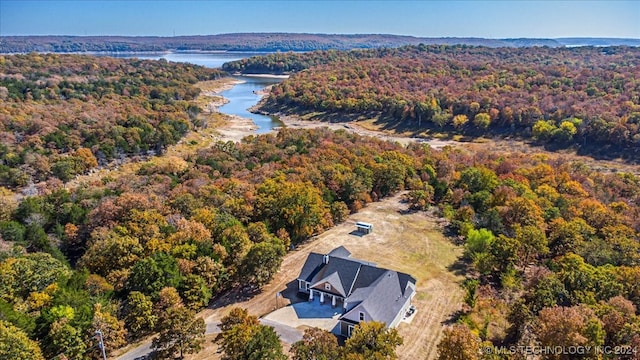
(459, 267)
(454, 318)
(233, 296)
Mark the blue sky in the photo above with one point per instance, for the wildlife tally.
(491, 19)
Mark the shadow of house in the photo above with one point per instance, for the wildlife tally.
(315, 310)
(292, 294)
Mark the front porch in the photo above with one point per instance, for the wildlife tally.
(324, 298)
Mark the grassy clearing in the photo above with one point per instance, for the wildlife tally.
(410, 242)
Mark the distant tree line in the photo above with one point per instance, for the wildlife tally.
(245, 42)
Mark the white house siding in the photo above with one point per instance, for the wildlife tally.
(405, 307)
(401, 313)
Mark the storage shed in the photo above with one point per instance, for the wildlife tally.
(364, 227)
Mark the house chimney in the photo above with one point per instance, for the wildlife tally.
(325, 259)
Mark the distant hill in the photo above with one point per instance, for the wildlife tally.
(269, 42)
(598, 42)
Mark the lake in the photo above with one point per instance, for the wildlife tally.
(208, 59)
(241, 97)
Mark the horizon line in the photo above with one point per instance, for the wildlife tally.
(331, 34)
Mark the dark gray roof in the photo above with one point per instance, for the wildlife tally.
(346, 269)
(378, 292)
(310, 267)
(341, 252)
(368, 274)
(404, 280)
(341, 271)
(384, 303)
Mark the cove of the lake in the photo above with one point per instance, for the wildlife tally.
(241, 97)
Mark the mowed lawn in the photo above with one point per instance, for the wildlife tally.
(410, 242)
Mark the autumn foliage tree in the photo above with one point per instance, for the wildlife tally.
(294, 206)
(539, 230)
(243, 337)
(316, 344)
(473, 90)
(15, 344)
(86, 110)
(140, 318)
(568, 326)
(372, 340)
(179, 331)
(113, 330)
(459, 343)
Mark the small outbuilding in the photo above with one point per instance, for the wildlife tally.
(364, 228)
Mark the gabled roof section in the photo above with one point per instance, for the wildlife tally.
(367, 275)
(405, 279)
(334, 280)
(358, 296)
(346, 269)
(381, 301)
(315, 269)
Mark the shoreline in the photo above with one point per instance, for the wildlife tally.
(263, 76)
(296, 122)
(236, 127)
(215, 87)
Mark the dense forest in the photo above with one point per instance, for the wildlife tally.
(543, 237)
(62, 115)
(582, 97)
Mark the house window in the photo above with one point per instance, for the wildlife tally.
(306, 285)
(361, 316)
(349, 330)
(327, 286)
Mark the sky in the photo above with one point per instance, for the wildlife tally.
(424, 18)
